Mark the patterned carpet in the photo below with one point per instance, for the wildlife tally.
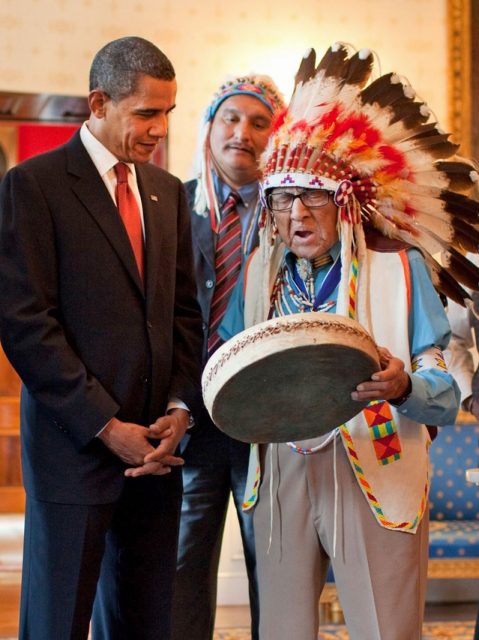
(432, 631)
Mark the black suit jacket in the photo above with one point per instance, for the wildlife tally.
(88, 342)
(204, 259)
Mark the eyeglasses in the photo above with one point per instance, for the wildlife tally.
(311, 198)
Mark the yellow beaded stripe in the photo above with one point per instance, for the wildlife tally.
(367, 490)
(353, 281)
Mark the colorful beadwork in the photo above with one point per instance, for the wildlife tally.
(288, 297)
(251, 501)
(432, 358)
(309, 450)
(383, 431)
(344, 190)
(353, 281)
(367, 490)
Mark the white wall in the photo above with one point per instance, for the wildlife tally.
(47, 45)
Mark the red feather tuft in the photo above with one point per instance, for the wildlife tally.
(330, 117)
(396, 160)
(363, 133)
(301, 125)
(278, 119)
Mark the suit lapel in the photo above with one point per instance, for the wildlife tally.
(154, 215)
(203, 236)
(94, 195)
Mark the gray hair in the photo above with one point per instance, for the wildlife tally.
(117, 67)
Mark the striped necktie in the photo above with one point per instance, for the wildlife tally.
(227, 266)
(130, 214)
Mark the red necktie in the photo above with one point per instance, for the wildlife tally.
(227, 265)
(130, 214)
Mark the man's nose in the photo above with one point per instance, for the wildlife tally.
(298, 210)
(243, 130)
(159, 127)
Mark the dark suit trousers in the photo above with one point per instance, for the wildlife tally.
(128, 548)
(215, 468)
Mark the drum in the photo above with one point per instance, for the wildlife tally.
(289, 378)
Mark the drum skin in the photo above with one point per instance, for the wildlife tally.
(289, 378)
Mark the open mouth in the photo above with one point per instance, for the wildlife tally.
(303, 234)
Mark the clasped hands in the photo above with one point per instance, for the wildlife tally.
(390, 383)
(131, 443)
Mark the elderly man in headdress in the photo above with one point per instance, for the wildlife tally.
(353, 188)
(225, 204)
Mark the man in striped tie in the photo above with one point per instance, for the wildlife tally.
(225, 207)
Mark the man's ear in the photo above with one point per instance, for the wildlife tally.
(97, 102)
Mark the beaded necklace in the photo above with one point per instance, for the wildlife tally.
(294, 287)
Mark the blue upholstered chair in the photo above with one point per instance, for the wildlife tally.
(454, 503)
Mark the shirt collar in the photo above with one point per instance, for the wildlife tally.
(102, 158)
(248, 192)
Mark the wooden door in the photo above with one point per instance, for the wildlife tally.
(12, 497)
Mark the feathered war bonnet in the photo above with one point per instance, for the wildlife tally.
(261, 87)
(395, 174)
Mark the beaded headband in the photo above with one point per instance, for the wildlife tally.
(252, 85)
